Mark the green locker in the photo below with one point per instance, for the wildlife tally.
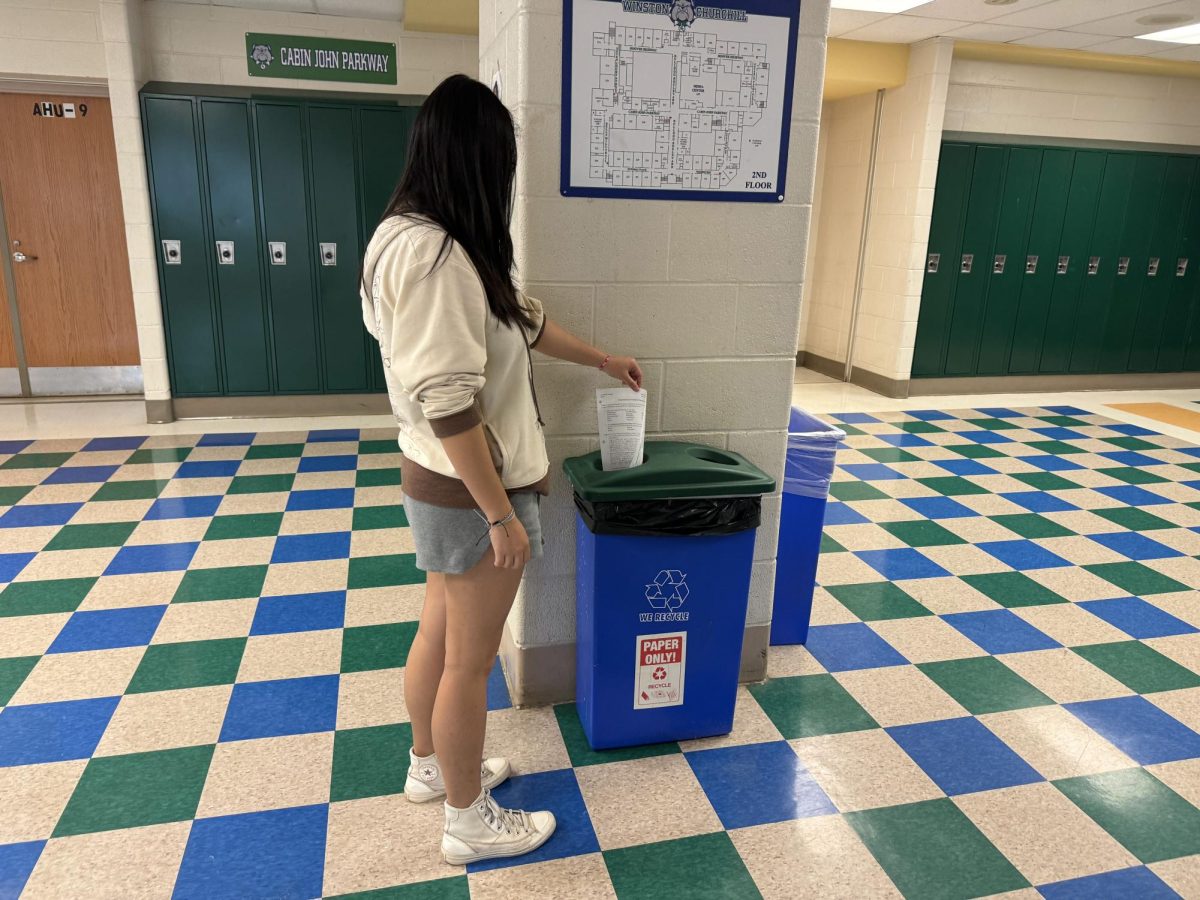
(1006, 264)
(281, 173)
(979, 238)
(941, 267)
(179, 216)
(1166, 237)
(229, 170)
(1037, 266)
(336, 221)
(1182, 319)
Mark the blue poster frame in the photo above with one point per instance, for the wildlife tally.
(789, 9)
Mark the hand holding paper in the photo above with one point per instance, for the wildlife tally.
(622, 419)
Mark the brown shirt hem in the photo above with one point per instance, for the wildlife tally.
(431, 487)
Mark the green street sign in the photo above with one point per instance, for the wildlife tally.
(320, 59)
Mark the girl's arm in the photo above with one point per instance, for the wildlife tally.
(556, 341)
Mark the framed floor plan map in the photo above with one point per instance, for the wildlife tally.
(677, 100)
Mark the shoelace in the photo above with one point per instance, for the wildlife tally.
(508, 820)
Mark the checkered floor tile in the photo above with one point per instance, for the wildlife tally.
(203, 640)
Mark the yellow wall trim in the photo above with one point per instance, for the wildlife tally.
(446, 16)
(1075, 59)
(863, 67)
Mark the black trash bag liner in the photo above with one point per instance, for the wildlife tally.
(681, 516)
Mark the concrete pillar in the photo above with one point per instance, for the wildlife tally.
(706, 295)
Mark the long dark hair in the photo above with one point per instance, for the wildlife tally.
(462, 160)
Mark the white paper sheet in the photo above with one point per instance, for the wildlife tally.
(622, 417)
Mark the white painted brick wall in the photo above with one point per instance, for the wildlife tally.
(57, 39)
(707, 295)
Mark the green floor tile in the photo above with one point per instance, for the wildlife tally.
(1032, 526)
(137, 789)
(56, 595)
(130, 490)
(1130, 475)
(877, 600)
(377, 477)
(274, 451)
(1064, 421)
(367, 518)
(189, 664)
(370, 762)
(1045, 481)
(233, 583)
(1131, 443)
(699, 868)
(975, 451)
(580, 751)
(933, 851)
(1139, 667)
(13, 672)
(36, 461)
(984, 685)
(1136, 579)
(849, 430)
(1133, 518)
(1013, 589)
(890, 455)
(922, 533)
(87, 537)
(370, 647)
(247, 525)
(810, 705)
(953, 486)
(10, 496)
(829, 545)
(992, 424)
(384, 571)
(453, 888)
(159, 455)
(919, 427)
(371, 448)
(1152, 821)
(261, 484)
(1054, 448)
(856, 490)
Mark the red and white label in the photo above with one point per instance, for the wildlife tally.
(661, 659)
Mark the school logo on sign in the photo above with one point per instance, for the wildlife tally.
(261, 54)
(683, 13)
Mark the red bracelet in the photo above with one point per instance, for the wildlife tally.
(607, 359)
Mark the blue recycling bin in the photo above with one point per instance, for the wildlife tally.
(663, 560)
(811, 452)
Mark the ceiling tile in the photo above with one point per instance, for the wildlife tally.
(904, 29)
(971, 10)
(989, 31)
(1063, 40)
(292, 6)
(843, 20)
(1130, 47)
(1072, 13)
(387, 10)
(1189, 53)
(1128, 25)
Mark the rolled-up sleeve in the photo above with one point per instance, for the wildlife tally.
(538, 317)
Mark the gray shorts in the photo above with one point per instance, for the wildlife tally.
(453, 541)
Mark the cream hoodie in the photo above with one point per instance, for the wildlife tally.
(449, 362)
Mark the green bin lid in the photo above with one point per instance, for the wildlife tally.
(671, 469)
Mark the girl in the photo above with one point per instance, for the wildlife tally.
(455, 335)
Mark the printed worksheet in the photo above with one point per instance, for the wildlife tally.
(622, 418)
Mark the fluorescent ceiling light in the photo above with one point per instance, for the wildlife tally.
(1188, 34)
(879, 6)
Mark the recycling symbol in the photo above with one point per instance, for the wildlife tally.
(660, 673)
(669, 590)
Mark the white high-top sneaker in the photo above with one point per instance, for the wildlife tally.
(488, 831)
(425, 783)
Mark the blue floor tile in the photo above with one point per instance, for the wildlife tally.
(328, 498)
(842, 514)
(840, 648)
(497, 689)
(1137, 882)
(985, 437)
(853, 418)
(143, 558)
(1039, 501)
(1135, 545)
(1066, 410)
(51, 732)
(1048, 463)
(208, 468)
(1132, 495)
(758, 783)
(184, 508)
(1060, 434)
(16, 865)
(999, 412)
(930, 415)
(1137, 618)
(11, 565)
(9, 447)
(300, 612)
(873, 472)
(962, 756)
(275, 708)
(226, 440)
(80, 475)
(938, 507)
(311, 547)
(557, 791)
(97, 445)
(964, 467)
(39, 514)
(901, 564)
(1000, 631)
(1133, 459)
(1139, 729)
(256, 856)
(333, 435)
(106, 629)
(1129, 430)
(328, 463)
(904, 439)
(1023, 555)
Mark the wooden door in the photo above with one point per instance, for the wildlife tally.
(62, 203)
